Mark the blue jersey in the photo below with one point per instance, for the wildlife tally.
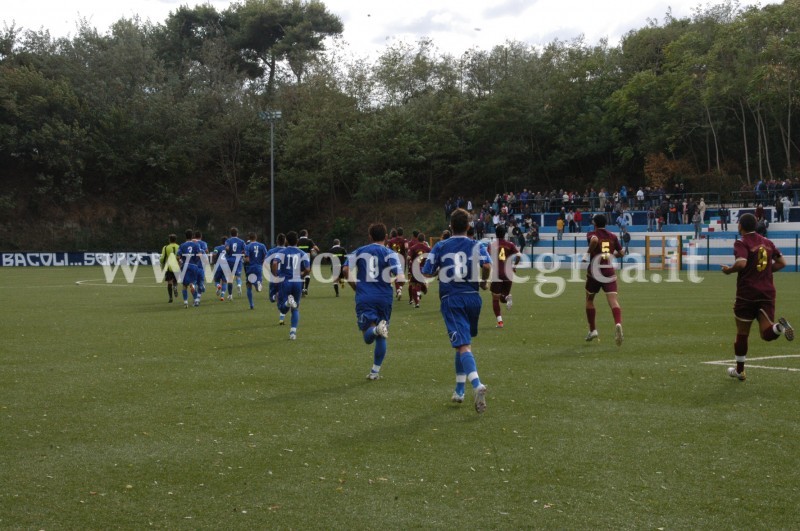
(291, 262)
(202, 249)
(256, 252)
(219, 253)
(458, 260)
(276, 249)
(188, 251)
(375, 266)
(234, 247)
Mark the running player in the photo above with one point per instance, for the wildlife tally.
(338, 257)
(254, 255)
(169, 259)
(374, 264)
(417, 254)
(505, 255)
(604, 246)
(307, 245)
(289, 267)
(280, 245)
(459, 263)
(234, 254)
(756, 259)
(398, 244)
(201, 261)
(220, 279)
(187, 252)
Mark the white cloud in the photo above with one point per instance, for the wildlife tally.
(455, 26)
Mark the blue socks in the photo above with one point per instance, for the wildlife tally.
(250, 295)
(369, 335)
(295, 317)
(380, 350)
(470, 368)
(461, 376)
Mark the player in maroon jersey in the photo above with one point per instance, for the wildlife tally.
(505, 255)
(604, 246)
(756, 259)
(417, 252)
(397, 243)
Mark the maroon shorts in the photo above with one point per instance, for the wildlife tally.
(501, 287)
(745, 310)
(593, 286)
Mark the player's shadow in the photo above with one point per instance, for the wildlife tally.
(309, 395)
(438, 418)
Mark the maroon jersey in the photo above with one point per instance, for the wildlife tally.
(415, 250)
(754, 282)
(398, 245)
(603, 254)
(502, 252)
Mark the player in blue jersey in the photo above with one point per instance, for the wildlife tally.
(187, 252)
(280, 245)
(376, 266)
(234, 253)
(254, 256)
(461, 264)
(289, 267)
(201, 261)
(217, 259)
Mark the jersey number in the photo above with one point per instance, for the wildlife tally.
(372, 268)
(763, 259)
(605, 248)
(460, 265)
(502, 254)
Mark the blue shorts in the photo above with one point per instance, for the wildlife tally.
(238, 271)
(285, 289)
(273, 291)
(191, 275)
(254, 273)
(461, 313)
(372, 313)
(219, 274)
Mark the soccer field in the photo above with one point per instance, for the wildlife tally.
(122, 411)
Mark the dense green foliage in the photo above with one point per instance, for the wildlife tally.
(120, 411)
(164, 118)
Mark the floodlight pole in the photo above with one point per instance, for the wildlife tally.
(271, 116)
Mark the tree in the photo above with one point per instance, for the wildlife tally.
(265, 32)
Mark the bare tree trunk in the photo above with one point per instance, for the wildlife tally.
(744, 140)
(714, 134)
(766, 147)
(757, 118)
(789, 135)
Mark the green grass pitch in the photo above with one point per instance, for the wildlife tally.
(119, 410)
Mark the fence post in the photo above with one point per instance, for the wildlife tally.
(796, 253)
(708, 253)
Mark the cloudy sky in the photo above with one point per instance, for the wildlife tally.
(455, 26)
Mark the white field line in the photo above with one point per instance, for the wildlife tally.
(750, 365)
(102, 282)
